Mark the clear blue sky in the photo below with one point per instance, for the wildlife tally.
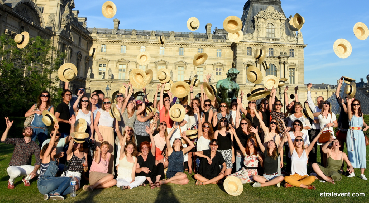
(325, 22)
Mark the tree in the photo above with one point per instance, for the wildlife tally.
(25, 73)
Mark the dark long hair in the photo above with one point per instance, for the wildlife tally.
(39, 102)
(352, 108)
(219, 107)
(297, 121)
(247, 149)
(80, 103)
(274, 152)
(211, 132)
(277, 130)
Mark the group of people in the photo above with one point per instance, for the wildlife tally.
(132, 141)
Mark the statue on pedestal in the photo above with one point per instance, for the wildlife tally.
(228, 89)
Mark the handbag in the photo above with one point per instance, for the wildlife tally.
(366, 140)
(29, 119)
(325, 136)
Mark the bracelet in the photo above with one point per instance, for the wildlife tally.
(191, 92)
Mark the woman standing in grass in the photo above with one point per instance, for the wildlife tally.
(225, 140)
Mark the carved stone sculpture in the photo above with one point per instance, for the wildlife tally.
(228, 89)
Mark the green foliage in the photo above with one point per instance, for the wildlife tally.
(25, 73)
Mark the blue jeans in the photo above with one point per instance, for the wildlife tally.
(49, 184)
(239, 160)
(40, 134)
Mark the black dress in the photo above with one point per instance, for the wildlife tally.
(211, 171)
(155, 170)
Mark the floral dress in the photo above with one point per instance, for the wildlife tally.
(251, 168)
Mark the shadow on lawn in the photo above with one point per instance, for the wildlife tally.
(86, 196)
(166, 195)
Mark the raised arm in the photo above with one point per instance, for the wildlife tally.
(255, 131)
(339, 85)
(309, 99)
(155, 103)
(215, 120)
(290, 143)
(191, 95)
(75, 105)
(150, 132)
(161, 104)
(190, 144)
(325, 146)
(262, 124)
(296, 94)
(310, 147)
(202, 98)
(128, 95)
(199, 131)
(286, 95)
(242, 148)
(8, 126)
(272, 99)
(237, 120)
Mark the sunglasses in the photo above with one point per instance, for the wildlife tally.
(207, 105)
(243, 123)
(107, 102)
(355, 104)
(298, 140)
(213, 145)
(84, 100)
(57, 134)
(177, 139)
(298, 124)
(275, 123)
(45, 95)
(266, 103)
(327, 103)
(129, 130)
(119, 95)
(223, 106)
(278, 104)
(163, 124)
(166, 99)
(206, 126)
(252, 102)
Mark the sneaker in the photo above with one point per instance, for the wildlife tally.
(56, 197)
(257, 184)
(10, 185)
(362, 176)
(351, 175)
(279, 185)
(46, 196)
(322, 181)
(26, 182)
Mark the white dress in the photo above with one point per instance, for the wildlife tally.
(324, 121)
(125, 174)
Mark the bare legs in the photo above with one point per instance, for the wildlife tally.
(105, 182)
(205, 181)
(190, 155)
(179, 179)
(321, 174)
(263, 182)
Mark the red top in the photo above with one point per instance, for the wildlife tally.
(165, 118)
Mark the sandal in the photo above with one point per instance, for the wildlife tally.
(287, 185)
(152, 185)
(311, 187)
(157, 184)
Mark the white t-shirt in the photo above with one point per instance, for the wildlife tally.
(105, 119)
(203, 144)
(59, 146)
(299, 164)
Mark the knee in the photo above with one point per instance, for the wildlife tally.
(287, 178)
(110, 176)
(185, 181)
(183, 176)
(196, 176)
(280, 178)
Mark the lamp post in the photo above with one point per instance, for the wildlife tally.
(283, 60)
(107, 90)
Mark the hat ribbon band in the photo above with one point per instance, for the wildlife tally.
(21, 40)
(349, 93)
(180, 112)
(257, 90)
(256, 75)
(66, 70)
(51, 118)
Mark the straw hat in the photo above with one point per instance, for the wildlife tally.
(254, 75)
(348, 80)
(180, 89)
(114, 113)
(232, 24)
(143, 58)
(235, 37)
(92, 51)
(282, 82)
(22, 39)
(342, 48)
(109, 9)
(48, 118)
(149, 76)
(271, 81)
(80, 125)
(163, 76)
(195, 82)
(233, 185)
(258, 92)
(296, 22)
(199, 59)
(193, 23)
(191, 134)
(361, 31)
(137, 78)
(150, 109)
(350, 90)
(308, 111)
(177, 113)
(79, 137)
(162, 39)
(168, 85)
(183, 100)
(209, 91)
(260, 54)
(67, 72)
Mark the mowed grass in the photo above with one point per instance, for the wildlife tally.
(187, 193)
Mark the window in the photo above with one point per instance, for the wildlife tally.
(292, 53)
(103, 48)
(79, 41)
(200, 50)
(180, 73)
(162, 49)
(142, 67)
(122, 71)
(218, 73)
(271, 52)
(219, 53)
(161, 67)
(123, 49)
(181, 51)
(249, 51)
(102, 69)
(143, 49)
(270, 30)
(272, 70)
(200, 73)
(292, 75)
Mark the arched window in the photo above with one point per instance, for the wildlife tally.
(103, 48)
(272, 70)
(270, 30)
(143, 49)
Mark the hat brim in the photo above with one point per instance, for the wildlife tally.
(200, 59)
(167, 74)
(149, 76)
(136, 81)
(342, 44)
(208, 91)
(141, 61)
(182, 111)
(233, 180)
(361, 31)
(65, 67)
(48, 122)
(81, 125)
(271, 81)
(254, 75)
(79, 137)
(235, 37)
(105, 13)
(235, 22)
(25, 40)
(190, 20)
(114, 113)
(180, 85)
(350, 90)
(258, 95)
(308, 111)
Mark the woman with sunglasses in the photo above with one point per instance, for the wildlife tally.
(130, 137)
(355, 139)
(251, 114)
(104, 127)
(39, 129)
(327, 119)
(205, 135)
(142, 121)
(175, 154)
(208, 112)
(299, 114)
(129, 113)
(164, 107)
(275, 107)
(270, 155)
(223, 112)
(84, 112)
(264, 109)
(299, 154)
(225, 140)
(119, 102)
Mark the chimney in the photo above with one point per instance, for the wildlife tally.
(208, 28)
(116, 24)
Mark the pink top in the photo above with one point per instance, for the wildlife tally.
(166, 118)
(101, 167)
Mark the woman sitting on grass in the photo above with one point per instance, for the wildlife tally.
(299, 158)
(270, 154)
(210, 171)
(335, 160)
(50, 186)
(127, 166)
(99, 176)
(175, 173)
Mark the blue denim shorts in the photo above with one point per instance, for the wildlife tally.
(270, 177)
